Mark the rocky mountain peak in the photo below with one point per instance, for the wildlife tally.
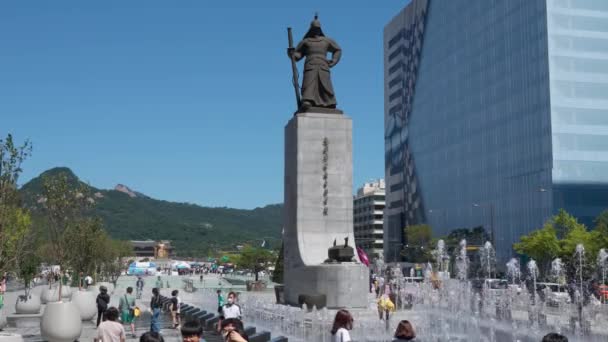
(125, 189)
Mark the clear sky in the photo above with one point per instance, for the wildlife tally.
(181, 100)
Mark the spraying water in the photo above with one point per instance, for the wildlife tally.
(557, 271)
(602, 263)
(441, 256)
(487, 258)
(513, 271)
(462, 261)
(579, 256)
(533, 273)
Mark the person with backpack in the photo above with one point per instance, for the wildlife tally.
(155, 305)
(175, 309)
(103, 300)
(127, 309)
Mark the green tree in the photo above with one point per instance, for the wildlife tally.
(85, 238)
(579, 235)
(542, 245)
(15, 222)
(601, 229)
(418, 243)
(254, 259)
(277, 275)
(563, 223)
(64, 205)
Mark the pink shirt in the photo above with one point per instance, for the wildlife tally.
(109, 331)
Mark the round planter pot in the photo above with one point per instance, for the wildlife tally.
(8, 337)
(3, 322)
(37, 290)
(50, 295)
(84, 301)
(60, 322)
(66, 293)
(27, 305)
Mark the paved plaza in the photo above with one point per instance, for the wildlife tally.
(29, 328)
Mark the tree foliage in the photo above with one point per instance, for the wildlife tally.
(15, 221)
(255, 259)
(277, 275)
(542, 245)
(418, 243)
(559, 237)
(63, 205)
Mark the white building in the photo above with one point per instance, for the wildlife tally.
(368, 212)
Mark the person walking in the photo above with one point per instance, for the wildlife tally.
(2, 290)
(155, 305)
(139, 285)
(110, 330)
(175, 308)
(81, 281)
(220, 301)
(404, 332)
(103, 301)
(159, 283)
(343, 322)
(230, 309)
(127, 306)
(385, 307)
(88, 281)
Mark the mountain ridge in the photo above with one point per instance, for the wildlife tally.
(194, 230)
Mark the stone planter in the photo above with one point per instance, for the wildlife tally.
(66, 293)
(50, 295)
(3, 322)
(85, 302)
(259, 285)
(60, 322)
(27, 305)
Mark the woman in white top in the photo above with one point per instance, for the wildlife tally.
(342, 324)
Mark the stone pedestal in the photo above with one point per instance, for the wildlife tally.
(319, 209)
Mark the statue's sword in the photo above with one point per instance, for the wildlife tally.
(294, 70)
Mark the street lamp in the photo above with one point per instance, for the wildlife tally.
(491, 205)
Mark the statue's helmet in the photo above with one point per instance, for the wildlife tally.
(315, 22)
(315, 29)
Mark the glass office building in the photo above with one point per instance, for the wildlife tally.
(496, 114)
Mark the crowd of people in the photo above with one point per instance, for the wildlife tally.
(111, 321)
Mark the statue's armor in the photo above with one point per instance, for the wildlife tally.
(317, 89)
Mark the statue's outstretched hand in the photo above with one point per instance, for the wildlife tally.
(290, 52)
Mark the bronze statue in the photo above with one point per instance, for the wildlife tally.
(317, 89)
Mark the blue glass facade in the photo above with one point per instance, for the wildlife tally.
(508, 118)
(578, 64)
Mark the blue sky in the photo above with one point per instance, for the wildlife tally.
(181, 100)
